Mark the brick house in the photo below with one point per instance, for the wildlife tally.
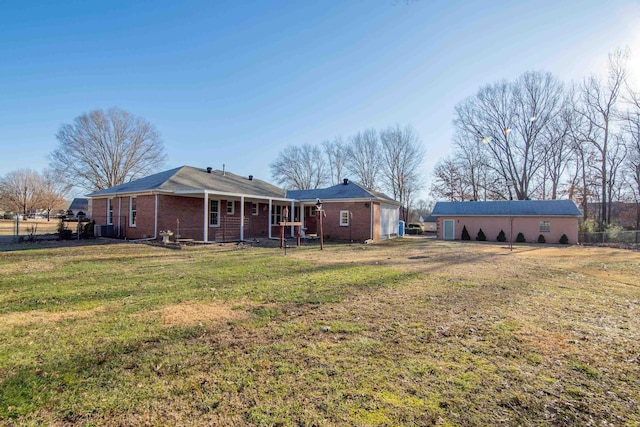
(550, 218)
(194, 203)
(351, 212)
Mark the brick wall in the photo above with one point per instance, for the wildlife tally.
(359, 222)
(185, 215)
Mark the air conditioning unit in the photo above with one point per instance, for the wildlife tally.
(103, 230)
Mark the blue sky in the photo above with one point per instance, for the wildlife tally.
(234, 82)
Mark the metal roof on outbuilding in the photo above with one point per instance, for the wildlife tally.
(508, 208)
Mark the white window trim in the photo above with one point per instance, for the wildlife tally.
(547, 227)
(254, 209)
(342, 223)
(233, 207)
(132, 217)
(218, 202)
(276, 215)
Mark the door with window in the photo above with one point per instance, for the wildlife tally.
(449, 229)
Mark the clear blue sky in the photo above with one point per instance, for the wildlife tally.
(234, 82)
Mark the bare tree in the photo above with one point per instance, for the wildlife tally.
(597, 111)
(336, 153)
(299, 168)
(53, 192)
(21, 191)
(557, 152)
(482, 181)
(402, 155)
(364, 159)
(632, 162)
(509, 119)
(449, 181)
(103, 149)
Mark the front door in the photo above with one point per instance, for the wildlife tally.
(449, 229)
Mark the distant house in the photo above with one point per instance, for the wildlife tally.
(351, 211)
(430, 223)
(79, 204)
(550, 218)
(194, 203)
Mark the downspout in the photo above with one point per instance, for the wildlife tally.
(155, 221)
(119, 215)
(371, 220)
(206, 223)
(269, 216)
(241, 218)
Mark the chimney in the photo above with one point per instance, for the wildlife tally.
(223, 171)
(209, 169)
(345, 181)
(250, 177)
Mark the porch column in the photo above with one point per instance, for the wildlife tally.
(241, 218)
(292, 217)
(206, 223)
(269, 217)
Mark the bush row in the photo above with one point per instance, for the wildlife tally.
(481, 237)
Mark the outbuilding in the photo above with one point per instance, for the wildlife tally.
(550, 218)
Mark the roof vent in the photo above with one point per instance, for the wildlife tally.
(345, 181)
(250, 177)
(209, 169)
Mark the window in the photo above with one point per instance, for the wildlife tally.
(545, 226)
(254, 209)
(109, 211)
(230, 206)
(132, 211)
(276, 215)
(344, 218)
(214, 213)
(313, 211)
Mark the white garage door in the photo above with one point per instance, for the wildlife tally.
(389, 216)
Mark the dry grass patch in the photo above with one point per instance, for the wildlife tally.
(11, 320)
(190, 313)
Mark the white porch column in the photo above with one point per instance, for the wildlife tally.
(292, 217)
(206, 220)
(241, 218)
(269, 220)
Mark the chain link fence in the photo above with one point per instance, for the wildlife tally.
(615, 238)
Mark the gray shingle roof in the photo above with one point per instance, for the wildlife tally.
(508, 207)
(337, 192)
(187, 178)
(79, 203)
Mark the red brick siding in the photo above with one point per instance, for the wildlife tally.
(359, 223)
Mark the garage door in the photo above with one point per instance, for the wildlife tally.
(389, 216)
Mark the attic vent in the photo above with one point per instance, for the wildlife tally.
(345, 181)
(250, 177)
(209, 169)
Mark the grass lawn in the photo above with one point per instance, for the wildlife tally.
(408, 332)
